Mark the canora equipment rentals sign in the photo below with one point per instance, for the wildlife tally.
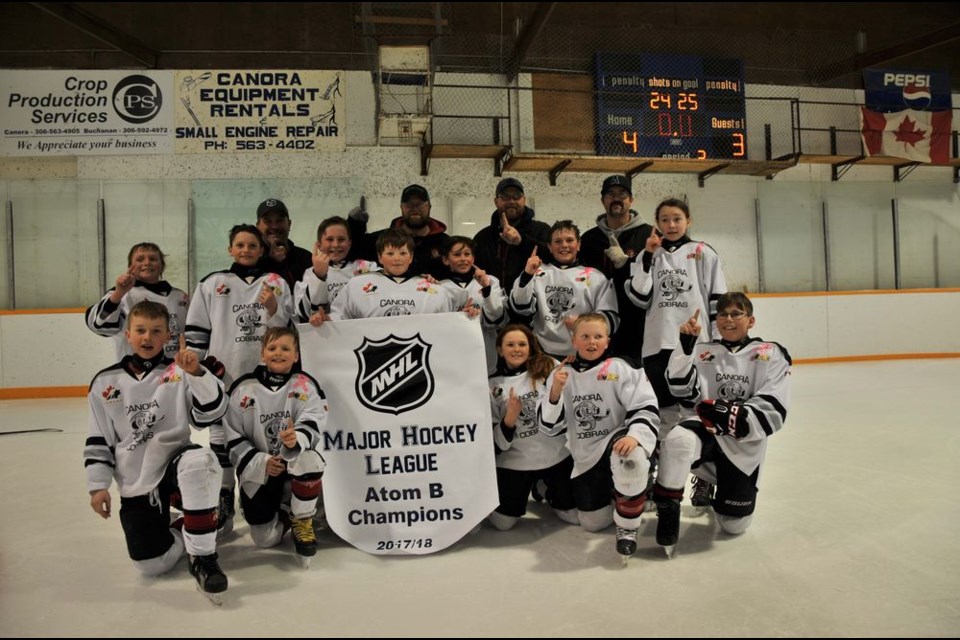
(84, 112)
(265, 111)
(409, 437)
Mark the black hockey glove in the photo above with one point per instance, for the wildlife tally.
(723, 418)
(214, 366)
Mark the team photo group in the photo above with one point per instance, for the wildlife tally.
(620, 374)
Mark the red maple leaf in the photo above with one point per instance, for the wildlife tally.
(908, 133)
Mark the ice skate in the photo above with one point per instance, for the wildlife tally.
(225, 513)
(211, 580)
(668, 525)
(702, 496)
(649, 505)
(304, 539)
(320, 520)
(626, 543)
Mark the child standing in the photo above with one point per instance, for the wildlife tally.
(466, 281)
(609, 413)
(273, 424)
(140, 414)
(395, 291)
(231, 310)
(555, 294)
(332, 268)
(141, 281)
(674, 277)
(734, 394)
(524, 455)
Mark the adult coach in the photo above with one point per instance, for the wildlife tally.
(504, 246)
(282, 256)
(620, 236)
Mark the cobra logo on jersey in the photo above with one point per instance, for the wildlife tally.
(273, 442)
(142, 423)
(397, 311)
(588, 413)
(528, 412)
(248, 321)
(731, 390)
(672, 286)
(394, 374)
(558, 301)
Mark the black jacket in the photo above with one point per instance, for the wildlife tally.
(504, 261)
(427, 249)
(628, 341)
(298, 260)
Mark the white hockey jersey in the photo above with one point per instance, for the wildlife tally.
(601, 398)
(260, 405)
(555, 292)
(110, 320)
(312, 293)
(526, 448)
(375, 295)
(682, 277)
(137, 424)
(753, 373)
(493, 312)
(226, 319)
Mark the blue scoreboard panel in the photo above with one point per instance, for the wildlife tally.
(670, 106)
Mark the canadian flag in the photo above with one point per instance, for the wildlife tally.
(922, 136)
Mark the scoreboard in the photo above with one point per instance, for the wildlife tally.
(670, 106)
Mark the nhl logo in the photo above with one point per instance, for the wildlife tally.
(394, 374)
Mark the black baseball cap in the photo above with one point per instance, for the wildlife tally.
(414, 190)
(616, 181)
(272, 204)
(506, 183)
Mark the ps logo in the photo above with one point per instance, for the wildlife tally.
(137, 99)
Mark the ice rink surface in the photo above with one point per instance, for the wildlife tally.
(855, 534)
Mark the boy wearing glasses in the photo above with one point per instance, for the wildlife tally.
(734, 393)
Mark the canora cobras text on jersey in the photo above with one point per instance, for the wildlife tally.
(589, 396)
(276, 414)
(670, 272)
(142, 407)
(733, 376)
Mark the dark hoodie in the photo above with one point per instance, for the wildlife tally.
(628, 340)
(427, 251)
(506, 261)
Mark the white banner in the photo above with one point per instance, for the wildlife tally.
(409, 441)
(263, 111)
(76, 113)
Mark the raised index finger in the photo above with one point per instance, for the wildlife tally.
(183, 342)
(696, 314)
